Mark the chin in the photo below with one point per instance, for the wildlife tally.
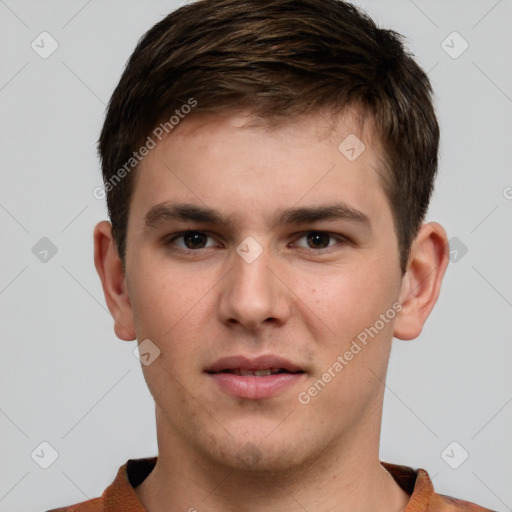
(256, 458)
(264, 451)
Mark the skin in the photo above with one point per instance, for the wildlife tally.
(298, 299)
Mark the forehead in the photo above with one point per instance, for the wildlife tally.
(239, 163)
(323, 126)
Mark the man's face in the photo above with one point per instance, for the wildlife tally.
(266, 290)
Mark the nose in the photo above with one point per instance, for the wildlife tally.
(253, 293)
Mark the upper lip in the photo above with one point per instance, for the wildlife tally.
(257, 363)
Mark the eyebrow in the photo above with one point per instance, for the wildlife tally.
(188, 212)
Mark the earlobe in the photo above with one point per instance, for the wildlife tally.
(421, 283)
(110, 270)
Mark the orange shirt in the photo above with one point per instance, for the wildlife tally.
(120, 496)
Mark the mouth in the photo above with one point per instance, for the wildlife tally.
(254, 378)
(242, 372)
(260, 365)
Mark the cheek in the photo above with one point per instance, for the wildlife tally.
(171, 308)
(154, 310)
(352, 342)
(165, 309)
(162, 296)
(349, 300)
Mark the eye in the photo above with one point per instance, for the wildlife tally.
(191, 240)
(320, 240)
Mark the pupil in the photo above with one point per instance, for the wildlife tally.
(193, 240)
(319, 240)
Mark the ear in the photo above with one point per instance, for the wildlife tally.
(421, 282)
(110, 269)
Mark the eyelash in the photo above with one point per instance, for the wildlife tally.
(169, 240)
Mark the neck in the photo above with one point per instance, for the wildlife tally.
(343, 478)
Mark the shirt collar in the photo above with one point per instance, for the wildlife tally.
(416, 483)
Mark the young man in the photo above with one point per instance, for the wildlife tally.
(268, 166)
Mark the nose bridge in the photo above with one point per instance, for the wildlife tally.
(252, 293)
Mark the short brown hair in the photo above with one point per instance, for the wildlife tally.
(280, 58)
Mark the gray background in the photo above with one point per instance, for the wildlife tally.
(65, 379)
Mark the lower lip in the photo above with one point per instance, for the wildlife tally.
(253, 387)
